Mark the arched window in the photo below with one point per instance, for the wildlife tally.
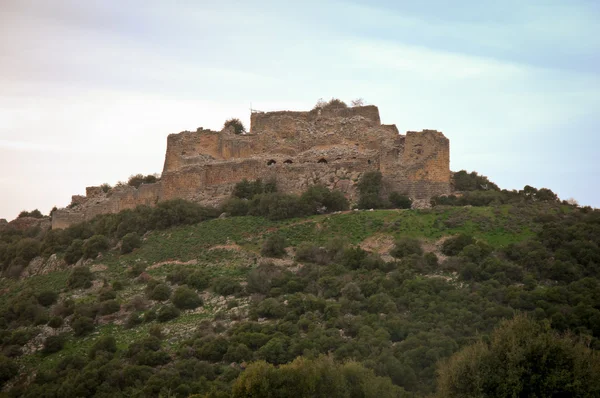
(288, 161)
(271, 162)
(322, 160)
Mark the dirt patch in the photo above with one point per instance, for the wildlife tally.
(98, 267)
(436, 248)
(379, 243)
(229, 246)
(176, 262)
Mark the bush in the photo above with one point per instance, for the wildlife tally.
(82, 325)
(130, 241)
(55, 322)
(81, 277)
(105, 344)
(74, 252)
(278, 206)
(464, 181)
(109, 307)
(226, 286)
(399, 201)
(47, 298)
(334, 103)
(28, 249)
(139, 179)
(249, 189)
(454, 245)
(185, 298)
(236, 124)
(53, 344)
(270, 308)
(94, 245)
(34, 213)
(318, 198)
(273, 246)
(160, 292)
(8, 369)
(166, 313)
(406, 246)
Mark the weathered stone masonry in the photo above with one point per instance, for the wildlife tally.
(298, 149)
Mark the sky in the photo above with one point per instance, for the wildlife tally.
(89, 90)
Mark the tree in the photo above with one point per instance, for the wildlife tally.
(523, 359)
(236, 124)
(357, 102)
(369, 187)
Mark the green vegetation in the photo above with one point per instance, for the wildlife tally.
(34, 213)
(523, 359)
(137, 180)
(236, 124)
(291, 300)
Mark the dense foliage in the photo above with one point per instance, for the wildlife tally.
(363, 303)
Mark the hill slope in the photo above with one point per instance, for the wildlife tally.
(394, 290)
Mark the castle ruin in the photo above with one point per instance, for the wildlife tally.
(329, 146)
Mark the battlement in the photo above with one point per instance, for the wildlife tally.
(329, 146)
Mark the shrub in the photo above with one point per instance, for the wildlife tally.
(105, 344)
(318, 197)
(160, 292)
(399, 201)
(109, 307)
(464, 181)
(82, 325)
(34, 213)
(226, 286)
(74, 252)
(334, 103)
(273, 246)
(236, 124)
(28, 249)
(166, 313)
(55, 322)
(8, 369)
(249, 189)
(105, 187)
(81, 277)
(139, 179)
(270, 308)
(47, 298)
(236, 207)
(106, 294)
(94, 245)
(185, 298)
(454, 245)
(130, 241)
(53, 344)
(406, 246)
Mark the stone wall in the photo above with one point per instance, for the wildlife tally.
(298, 149)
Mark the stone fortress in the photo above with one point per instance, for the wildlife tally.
(329, 146)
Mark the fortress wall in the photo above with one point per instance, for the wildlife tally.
(200, 147)
(287, 122)
(63, 219)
